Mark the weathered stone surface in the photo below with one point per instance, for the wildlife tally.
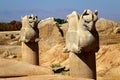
(7, 50)
(47, 77)
(54, 56)
(107, 58)
(9, 37)
(29, 31)
(50, 34)
(117, 30)
(72, 38)
(82, 41)
(82, 65)
(30, 53)
(106, 29)
(12, 68)
(108, 61)
(88, 35)
(29, 37)
(105, 26)
(82, 34)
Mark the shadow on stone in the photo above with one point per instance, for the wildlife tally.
(59, 70)
(83, 65)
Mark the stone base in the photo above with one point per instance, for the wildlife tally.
(30, 53)
(83, 65)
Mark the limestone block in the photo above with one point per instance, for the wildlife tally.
(12, 68)
(82, 65)
(50, 34)
(30, 53)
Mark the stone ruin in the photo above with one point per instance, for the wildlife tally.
(29, 38)
(29, 31)
(81, 42)
(82, 33)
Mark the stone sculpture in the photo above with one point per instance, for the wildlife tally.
(82, 41)
(29, 29)
(82, 34)
(29, 36)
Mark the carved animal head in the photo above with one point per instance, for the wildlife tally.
(88, 19)
(30, 20)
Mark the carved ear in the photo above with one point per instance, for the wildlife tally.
(77, 14)
(96, 12)
(84, 12)
(36, 17)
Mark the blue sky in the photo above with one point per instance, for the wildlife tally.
(14, 9)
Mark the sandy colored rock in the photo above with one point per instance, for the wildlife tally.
(105, 26)
(55, 56)
(108, 61)
(117, 30)
(82, 66)
(30, 53)
(47, 77)
(29, 38)
(9, 37)
(107, 58)
(16, 50)
(50, 34)
(9, 68)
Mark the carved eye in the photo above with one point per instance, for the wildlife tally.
(87, 21)
(30, 17)
(86, 14)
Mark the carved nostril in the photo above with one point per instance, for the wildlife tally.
(34, 18)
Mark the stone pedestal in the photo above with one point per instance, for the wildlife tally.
(83, 65)
(30, 53)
